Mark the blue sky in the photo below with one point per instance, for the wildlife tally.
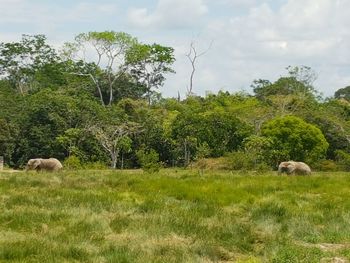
(251, 39)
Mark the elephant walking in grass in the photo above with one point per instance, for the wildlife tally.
(38, 164)
(291, 168)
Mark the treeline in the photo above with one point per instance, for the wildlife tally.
(95, 102)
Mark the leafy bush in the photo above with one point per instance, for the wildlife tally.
(294, 139)
(221, 163)
(343, 159)
(240, 161)
(95, 165)
(72, 163)
(246, 161)
(149, 161)
(326, 166)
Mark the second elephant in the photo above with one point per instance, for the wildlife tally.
(292, 167)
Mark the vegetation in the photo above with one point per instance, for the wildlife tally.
(95, 103)
(96, 100)
(173, 216)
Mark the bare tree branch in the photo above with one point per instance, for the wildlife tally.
(192, 56)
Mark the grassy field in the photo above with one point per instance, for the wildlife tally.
(174, 216)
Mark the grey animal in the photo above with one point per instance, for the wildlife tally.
(39, 164)
(292, 168)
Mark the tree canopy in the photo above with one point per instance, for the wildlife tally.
(97, 100)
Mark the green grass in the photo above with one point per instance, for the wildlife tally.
(173, 216)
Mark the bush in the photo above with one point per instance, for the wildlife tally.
(72, 163)
(221, 163)
(149, 161)
(95, 166)
(326, 166)
(343, 159)
(246, 161)
(294, 139)
(240, 161)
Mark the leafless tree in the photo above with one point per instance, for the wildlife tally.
(192, 56)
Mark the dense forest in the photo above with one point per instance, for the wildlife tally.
(95, 102)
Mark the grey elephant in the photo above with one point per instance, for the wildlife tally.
(292, 168)
(39, 164)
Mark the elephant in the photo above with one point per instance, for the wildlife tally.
(38, 164)
(291, 168)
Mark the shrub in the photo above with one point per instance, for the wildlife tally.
(240, 161)
(246, 161)
(293, 138)
(149, 161)
(95, 165)
(72, 163)
(343, 159)
(221, 163)
(326, 166)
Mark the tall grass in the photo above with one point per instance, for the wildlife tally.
(173, 216)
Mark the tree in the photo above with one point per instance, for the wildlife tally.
(113, 131)
(8, 136)
(257, 148)
(28, 62)
(294, 139)
(70, 140)
(221, 131)
(343, 93)
(299, 81)
(149, 63)
(110, 58)
(192, 56)
(112, 138)
(332, 118)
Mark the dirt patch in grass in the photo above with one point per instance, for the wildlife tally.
(327, 247)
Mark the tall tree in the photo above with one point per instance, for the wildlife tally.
(299, 81)
(113, 137)
(113, 129)
(109, 62)
(24, 63)
(192, 56)
(343, 93)
(149, 63)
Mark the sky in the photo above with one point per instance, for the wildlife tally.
(244, 40)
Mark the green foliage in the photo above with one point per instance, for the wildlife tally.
(221, 131)
(30, 63)
(149, 161)
(332, 119)
(8, 136)
(72, 163)
(149, 63)
(294, 139)
(298, 81)
(132, 69)
(326, 166)
(106, 107)
(257, 147)
(98, 165)
(343, 93)
(241, 161)
(343, 159)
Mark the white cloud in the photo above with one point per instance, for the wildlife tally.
(46, 17)
(252, 38)
(238, 3)
(261, 43)
(169, 14)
